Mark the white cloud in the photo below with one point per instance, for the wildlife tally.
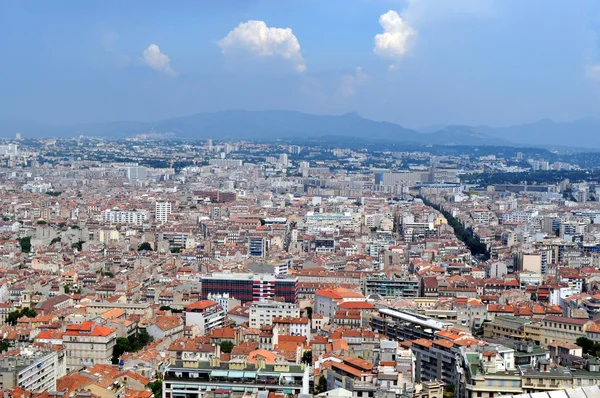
(593, 72)
(350, 82)
(256, 38)
(396, 38)
(156, 60)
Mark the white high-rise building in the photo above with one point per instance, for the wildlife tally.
(9, 150)
(209, 144)
(136, 173)
(283, 159)
(162, 211)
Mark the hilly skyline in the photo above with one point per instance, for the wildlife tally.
(285, 124)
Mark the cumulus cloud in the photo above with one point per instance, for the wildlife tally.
(396, 38)
(593, 72)
(256, 38)
(350, 82)
(157, 60)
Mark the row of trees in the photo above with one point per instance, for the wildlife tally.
(14, 316)
(460, 231)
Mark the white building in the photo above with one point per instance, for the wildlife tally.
(206, 315)
(32, 369)
(132, 217)
(162, 211)
(136, 173)
(293, 326)
(263, 312)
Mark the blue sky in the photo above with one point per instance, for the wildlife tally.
(495, 62)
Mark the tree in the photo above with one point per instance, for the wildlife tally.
(226, 346)
(156, 387)
(145, 247)
(309, 312)
(307, 357)
(78, 245)
(41, 222)
(67, 289)
(55, 240)
(588, 346)
(4, 346)
(122, 345)
(449, 391)
(28, 312)
(25, 243)
(321, 385)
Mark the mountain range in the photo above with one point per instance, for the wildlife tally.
(271, 125)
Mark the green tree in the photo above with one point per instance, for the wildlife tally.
(67, 289)
(4, 346)
(588, 346)
(78, 245)
(321, 385)
(226, 346)
(41, 222)
(309, 312)
(25, 243)
(53, 241)
(449, 391)
(156, 387)
(122, 345)
(145, 247)
(28, 312)
(307, 357)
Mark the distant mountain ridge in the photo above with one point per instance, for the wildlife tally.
(271, 125)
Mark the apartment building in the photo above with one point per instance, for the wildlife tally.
(435, 360)
(193, 378)
(559, 328)
(162, 211)
(132, 217)
(327, 301)
(262, 313)
(353, 374)
(403, 325)
(206, 315)
(250, 287)
(33, 369)
(87, 344)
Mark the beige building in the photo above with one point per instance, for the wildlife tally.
(88, 344)
(559, 328)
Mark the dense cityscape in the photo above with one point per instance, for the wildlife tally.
(143, 267)
(300, 199)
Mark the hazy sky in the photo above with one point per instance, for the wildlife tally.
(415, 62)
